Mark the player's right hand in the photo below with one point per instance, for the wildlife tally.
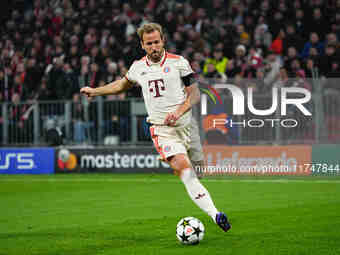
(171, 118)
(89, 92)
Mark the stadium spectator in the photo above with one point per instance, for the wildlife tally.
(283, 80)
(300, 22)
(231, 69)
(94, 74)
(3, 86)
(18, 86)
(292, 54)
(259, 85)
(326, 61)
(32, 77)
(19, 121)
(309, 67)
(244, 36)
(277, 44)
(255, 59)
(292, 39)
(218, 61)
(318, 23)
(240, 59)
(199, 59)
(213, 74)
(116, 117)
(109, 74)
(43, 93)
(295, 67)
(314, 42)
(58, 82)
(71, 78)
(272, 69)
(276, 23)
(79, 124)
(331, 39)
(261, 35)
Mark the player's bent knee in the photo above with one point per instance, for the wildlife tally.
(179, 162)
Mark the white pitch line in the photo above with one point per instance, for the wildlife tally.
(78, 180)
(277, 181)
(3, 180)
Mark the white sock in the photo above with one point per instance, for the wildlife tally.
(198, 193)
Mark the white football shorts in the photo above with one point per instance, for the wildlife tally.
(170, 141)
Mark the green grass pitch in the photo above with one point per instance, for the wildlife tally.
(137, 214)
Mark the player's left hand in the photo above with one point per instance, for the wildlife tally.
(171, 118)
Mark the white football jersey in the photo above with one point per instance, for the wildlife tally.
(162, 86)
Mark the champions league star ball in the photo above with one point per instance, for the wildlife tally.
(64, 155)
(190, 230)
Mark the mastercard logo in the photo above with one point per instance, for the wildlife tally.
(66, 160)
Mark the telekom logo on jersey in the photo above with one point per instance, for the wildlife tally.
(155, 86)
(238, 100)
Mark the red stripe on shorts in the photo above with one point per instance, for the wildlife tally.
(155, 142)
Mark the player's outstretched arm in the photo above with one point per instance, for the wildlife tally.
(114, 88)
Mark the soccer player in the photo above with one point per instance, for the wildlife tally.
(169, 92)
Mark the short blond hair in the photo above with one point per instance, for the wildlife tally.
(149, 28)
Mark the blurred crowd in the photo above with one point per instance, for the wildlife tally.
(49, 49)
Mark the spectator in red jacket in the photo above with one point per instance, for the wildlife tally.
(277, 44)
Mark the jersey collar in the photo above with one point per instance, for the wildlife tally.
(161, 62)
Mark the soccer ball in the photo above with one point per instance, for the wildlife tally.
(190, 230)
(64, 155)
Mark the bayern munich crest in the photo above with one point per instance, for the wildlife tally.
(166, 69)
